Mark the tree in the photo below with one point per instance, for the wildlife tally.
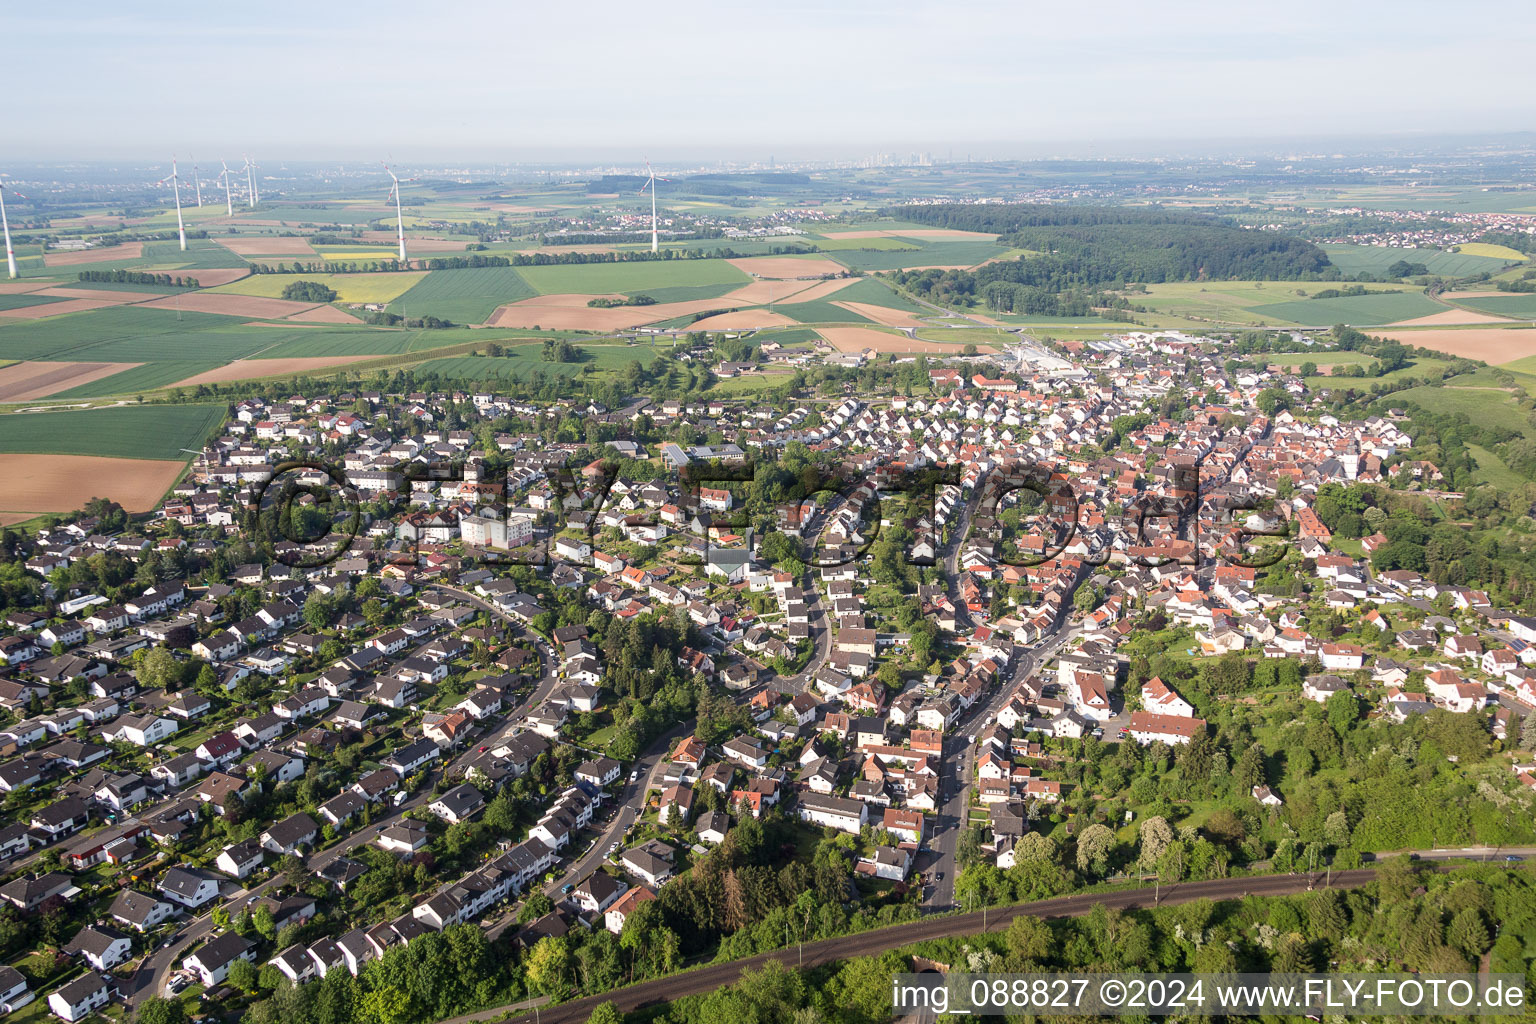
(1343, 711)
(549, 966)
(242, 975)
(1155, 835)
(1094, 847)
(1086, 598)
(605, 1013)
(157, 1010)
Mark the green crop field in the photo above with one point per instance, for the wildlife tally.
(929, 254)
(877, 293)
(463, 296)
(148, 377)
(884, 243)
(67, 337)
(321, 214)
(819, 311)
(788, 335)
(632, 278)
(348, 287)
(1521, 306)
(22, 301)
(130, 432)
(1375, 259)
(1370, 310)
(691, 292)
(354, 342)
(201, 254)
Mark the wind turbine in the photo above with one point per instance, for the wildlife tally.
(197, 184)
(399, 219)
(650, 183)
(250, 181)
(10, 254)
(181, 227)
(229, 203)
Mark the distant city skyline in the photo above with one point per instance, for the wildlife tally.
(495, 83)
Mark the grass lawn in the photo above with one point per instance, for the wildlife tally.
(1487, 406)
(1492, 470)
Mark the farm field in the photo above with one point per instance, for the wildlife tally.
(463, 296)
(246, 369)
(21, 382)
(629, 278)
(129, 432)
(348, 287)
(1357, 310)
(37, 484)
(1488, 249)
(872, 292)
(930, 254)
(1489, 344)
(1521, 306)
(1375, 259)
(820, 311)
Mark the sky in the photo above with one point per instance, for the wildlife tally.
(534, 82)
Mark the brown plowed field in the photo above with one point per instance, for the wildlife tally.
(54, 309)
(35, 484)
(25, 381)
(786, 267)
(1490, 344)
(274, 246)
(245, 369)
(126, 251)
(571, 313)
(22, 287)
(104, 294)
(232, 305)
(882, 314)
(744, 320)
(1450, 316)
(325, 315)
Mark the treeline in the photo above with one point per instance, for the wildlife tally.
(1410, 918)
(632, 300)
(136, 277)
(382, 318)
(1085, 248)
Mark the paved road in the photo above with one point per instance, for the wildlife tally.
(957, 770)
(714, 976)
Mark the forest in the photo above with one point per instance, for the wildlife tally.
(1072, 249)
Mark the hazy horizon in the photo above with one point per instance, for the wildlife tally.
(491, 84)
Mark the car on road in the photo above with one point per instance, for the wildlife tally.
(1512, 859)
(567, 887)
(484, 749)
(939, 877)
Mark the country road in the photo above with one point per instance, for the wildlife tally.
(713, 976)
